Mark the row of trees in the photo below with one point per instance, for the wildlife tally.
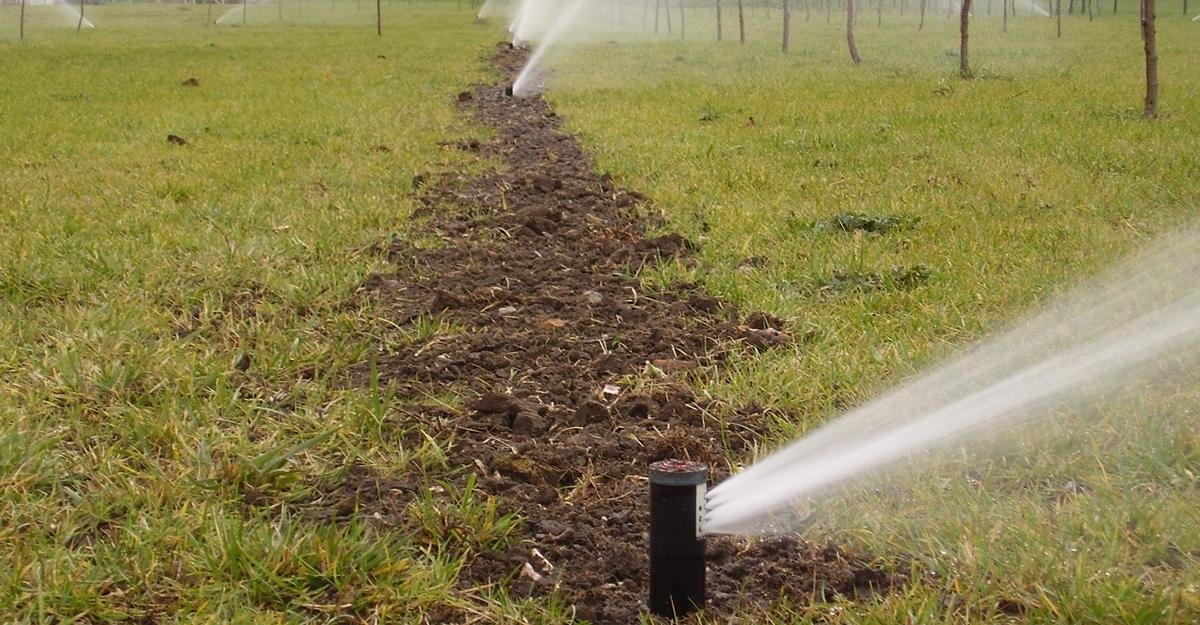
(966, 9)
(1149, 43)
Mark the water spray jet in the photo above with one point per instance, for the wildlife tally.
(677, 496)
(559, 27)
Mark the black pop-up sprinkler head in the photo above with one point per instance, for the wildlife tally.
(508, 91)
(677, 489)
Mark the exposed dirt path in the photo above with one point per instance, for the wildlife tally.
(575, 376)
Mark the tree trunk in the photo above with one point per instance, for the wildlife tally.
(682, 31)
(1071, 7)
(718, 20)
(787, 24)
(921, 25)
(280, 3)
(1058, 15)
(879, 13)
(850, 33)
(207, 20)
(828, 11)
(1148, 39)
(667, 12)
(1004, 9)
(964, 26)
(23, 19)
(378, 17)
(741, 22)
(1089, 8)
(79, 26)
(657, 3)
(808, 10)
(1114, 7)
(244, 3)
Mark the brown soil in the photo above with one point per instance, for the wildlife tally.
(575, 375)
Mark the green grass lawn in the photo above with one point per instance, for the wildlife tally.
(136, 274)
(174, 319)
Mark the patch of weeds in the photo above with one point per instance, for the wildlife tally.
(710, 114)
(288, 564)
(871, 224)
(268, 474)
(897, 278)
(460, 516)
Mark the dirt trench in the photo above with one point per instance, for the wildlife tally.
(575, 376)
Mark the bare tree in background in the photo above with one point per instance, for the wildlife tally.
(787, 24)
(964, 26)
(850, 33)
(378, 17)
(741, 22)
(682, 31)
(1148, 40)
(23, 19)
(921, 25)
(1058, 15)
(1004, 10)
(79, 26)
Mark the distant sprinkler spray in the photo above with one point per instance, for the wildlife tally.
(76, 16)
(519, 27)
(560, 25)
(677, 490)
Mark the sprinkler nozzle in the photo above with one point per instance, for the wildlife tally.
(508, 91)
(677, 489)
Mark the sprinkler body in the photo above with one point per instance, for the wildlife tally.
(508, 91)
(677, 490)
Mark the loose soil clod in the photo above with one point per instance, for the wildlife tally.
(534, 273)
